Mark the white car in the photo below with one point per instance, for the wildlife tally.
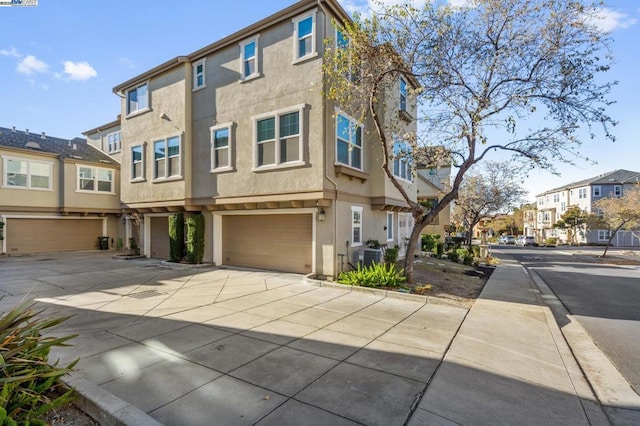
(526, 241)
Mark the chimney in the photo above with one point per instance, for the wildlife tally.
(13, 129)
(44, 136)
(26, 131)
(75, 147)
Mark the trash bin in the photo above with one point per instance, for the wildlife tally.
(103, 243)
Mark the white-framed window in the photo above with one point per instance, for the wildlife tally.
(137, 162)
(348, 141)
(389, 226)
(250, 58)
(597, 191)
(304, 36)
(546, 216)
(556, 198)
(617, 190)
(540, 201)
(222, 140)
(356, 226)
(403, 94)
(199, 81)
(95, 179)
(138, 99)
(114, 142)
(402, 160)
(603, 234)
(582, 193)
(563, 206)
(279, 138)
(166, 158)
(27, 174)
(599, 213)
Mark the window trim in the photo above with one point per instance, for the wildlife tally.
(28, 187)
(352, 121)
(195, 65)
(402, 161)
(143, 168)
(141, 110)
(113, 151)
(296, 39)
(231, 167)
(95, 180)
(167, 157)
(390, 233)
(256, 57)
(300, 109)
(604, 232)
(406, 97)
(359, 210)
(617, 190)
(597, 191)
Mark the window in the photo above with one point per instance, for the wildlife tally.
(546, 216)
(304, 36)
(198, 75)
(166, 155)
(582, 193)
(603, 234)
(27, 174)
(356, 226)
(113, 142)
(95, 179)
(556, 198)
(138, 99)
(403, 94)
(596, 191)
(221, 140)
(389, 226)
(402, 161)
(137, 163)
(342, 44)
(279, 138)
(599, 213)
(540, 201)
(617, 190)
(348, 142)
(249, 51)
(563, 206)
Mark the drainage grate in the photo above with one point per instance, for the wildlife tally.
(145, 294)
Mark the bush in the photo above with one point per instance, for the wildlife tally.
(429, 242)
(176, 237)
(440, 249)
(475, 250)
(453, 255)
(27, 377)
(376, 275)
(195, 238)
(551, 241)
(391, 255)
(468, 260)
(462, 253)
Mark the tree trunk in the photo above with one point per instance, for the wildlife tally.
(411, 250)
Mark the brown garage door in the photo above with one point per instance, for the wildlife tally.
(274, 242)
(160, 237)
(52, 235)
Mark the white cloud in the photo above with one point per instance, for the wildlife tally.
(12, 52)
(462, 4)
(78, 71)
(32, 65)
(608, 20)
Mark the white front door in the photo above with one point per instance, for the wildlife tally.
(405, 226)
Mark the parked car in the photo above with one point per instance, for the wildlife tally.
(507, 239)
(526, 240)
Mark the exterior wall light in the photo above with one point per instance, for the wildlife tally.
(321, 215)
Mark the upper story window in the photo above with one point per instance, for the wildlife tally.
(582, 193)
(137, 162)
(279, 138)
(26, 174)
(540, 201)
(138, 99)
(114, 142)
(617, 190)
(403, 94)
(304, 36)
(546, 216)
(597, 191)
(356, 226)
(249, 51)
(198, 75)
(563, 206)
(166, 158)
(402, 161)
(221, 146)
(95, 179)
(348, 142)
(556, 198)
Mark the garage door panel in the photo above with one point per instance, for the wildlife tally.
(160, 238)
(52, 235)
(274, 242)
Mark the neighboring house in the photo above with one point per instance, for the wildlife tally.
(240, 132)
(107, 138)
(432, 185)
(551, 205)
(55, 194)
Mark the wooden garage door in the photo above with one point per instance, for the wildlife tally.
(274, 242)
(52, 235)
(160, 237)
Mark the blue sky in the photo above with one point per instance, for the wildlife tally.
(60, 60)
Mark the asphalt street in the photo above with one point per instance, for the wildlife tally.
(603, 298)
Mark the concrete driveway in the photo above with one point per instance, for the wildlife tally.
(202, 346)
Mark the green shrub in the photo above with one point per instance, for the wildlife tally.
(552, 241)
(391, 255)
(462, 253)
(453, 255)
(27, 377)
(475, 250)
(440, 249)
(429, 242)
(376, 275)
(195, 238)
(176, 237)
(468, 259)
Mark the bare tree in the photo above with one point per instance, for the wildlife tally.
(620, 213)
(515, 76)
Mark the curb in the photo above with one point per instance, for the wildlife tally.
(104, 407)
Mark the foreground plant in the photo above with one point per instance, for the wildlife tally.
(376, 275)
(27, 380)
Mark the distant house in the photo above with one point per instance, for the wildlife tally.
(432, 185)
(551, 205)
(55, 194)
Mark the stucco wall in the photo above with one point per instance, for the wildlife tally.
(43, 199)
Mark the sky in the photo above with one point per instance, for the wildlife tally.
(60, 60)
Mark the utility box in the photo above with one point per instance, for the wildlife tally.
(372, 255)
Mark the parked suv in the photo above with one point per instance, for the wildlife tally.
(526, 241)
(507, 239)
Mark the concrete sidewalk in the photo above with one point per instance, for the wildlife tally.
(236, 347)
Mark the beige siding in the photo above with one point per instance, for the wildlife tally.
(159, 238)
(52, 235)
